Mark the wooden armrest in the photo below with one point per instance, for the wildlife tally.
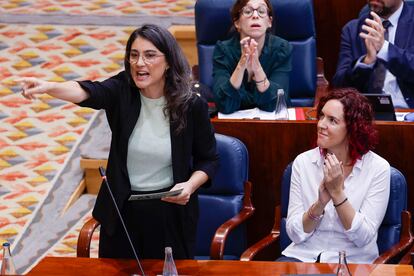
(406, 259)
(220, 237)
(85, 238)
(406, 240)
(321, 82)
(253, 250)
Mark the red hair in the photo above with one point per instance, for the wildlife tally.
(358, 115)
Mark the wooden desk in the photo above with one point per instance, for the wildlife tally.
(86, 266)
(274, 144)
(92, 177)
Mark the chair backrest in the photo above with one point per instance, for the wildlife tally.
(224, 199)
(390, 228)
(365, 8)
(293, 20)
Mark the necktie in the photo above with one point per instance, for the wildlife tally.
(380, 68)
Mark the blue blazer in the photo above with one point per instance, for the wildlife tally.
(400, 62)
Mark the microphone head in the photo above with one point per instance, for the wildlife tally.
(102, 171)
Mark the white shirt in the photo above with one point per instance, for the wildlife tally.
(149, 159)
(367, 188)
(390, 83)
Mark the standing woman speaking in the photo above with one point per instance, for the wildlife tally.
(162, 139)
(250, 67)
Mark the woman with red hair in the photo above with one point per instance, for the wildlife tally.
(339, 190)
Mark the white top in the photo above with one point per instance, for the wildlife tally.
(149, 160)
(367, 188)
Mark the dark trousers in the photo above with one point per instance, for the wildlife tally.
(152, 226)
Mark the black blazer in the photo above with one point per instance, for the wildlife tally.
(194, 148)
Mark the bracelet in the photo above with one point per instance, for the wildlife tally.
(312, 216)
(342, 202)
(263, 80)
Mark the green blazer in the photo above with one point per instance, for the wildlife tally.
(276, 62)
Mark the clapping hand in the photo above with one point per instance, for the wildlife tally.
(245, 51)
(250, 56)
(373, 36)
(254, 63)
(333, 175)
(323, 196)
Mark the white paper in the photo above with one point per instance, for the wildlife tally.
(400, 116)
(255, 113)
(155, 195)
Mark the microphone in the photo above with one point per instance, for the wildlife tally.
(102, 172)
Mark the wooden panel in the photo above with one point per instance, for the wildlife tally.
(186, 38)
(91, 266)
(75, 196)
(93, 179)
(330, 17)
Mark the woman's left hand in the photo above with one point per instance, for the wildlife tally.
(183, 197)
(254, 63)
(334, 175)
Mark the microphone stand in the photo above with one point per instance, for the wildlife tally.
(102, 172)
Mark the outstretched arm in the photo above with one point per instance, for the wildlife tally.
(69, 91)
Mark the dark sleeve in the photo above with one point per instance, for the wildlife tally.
(103, 94)
(345, 75)
(205, 155)
(278, 76)
(401, 62)
(227, 98)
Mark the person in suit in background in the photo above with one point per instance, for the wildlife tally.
(339, 190)
(250, 67)
(162, 139)
(377, 52)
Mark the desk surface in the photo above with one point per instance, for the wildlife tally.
(86, 266)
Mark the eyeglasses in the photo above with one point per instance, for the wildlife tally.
(248, 11)
(147, 57)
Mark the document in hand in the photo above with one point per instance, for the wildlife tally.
(257, 114)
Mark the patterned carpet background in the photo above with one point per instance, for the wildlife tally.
(41, 141)
(100, 7)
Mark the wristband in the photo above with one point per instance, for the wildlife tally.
(263, 80)
(342, 202)
(312, 216)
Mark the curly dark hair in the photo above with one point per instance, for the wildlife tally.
(239, 5)
(358, 114)
(177, 88)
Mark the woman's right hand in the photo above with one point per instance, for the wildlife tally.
(33, 86)
(245, 51)
(324, 196)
